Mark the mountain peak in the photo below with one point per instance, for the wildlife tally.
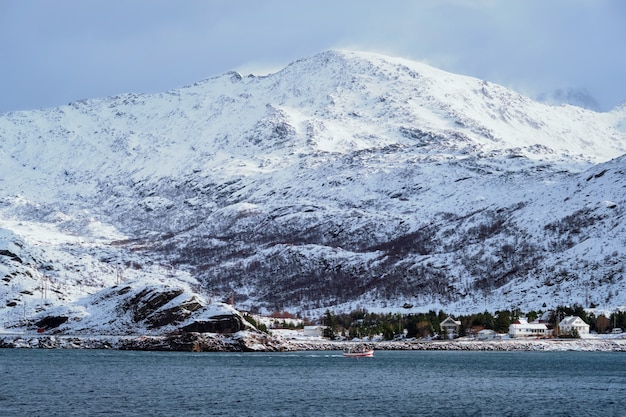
(399, 95)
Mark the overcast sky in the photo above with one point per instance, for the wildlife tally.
(56, 51)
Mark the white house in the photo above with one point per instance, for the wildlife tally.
(487, 334)
(522, 328)
(450, 327)
(313, 331)
(571, 323)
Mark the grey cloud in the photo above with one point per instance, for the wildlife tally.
(55, 52)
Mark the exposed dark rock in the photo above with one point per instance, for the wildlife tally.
(11, 255)
(51, 322)
(124, 290)
(148, 301)
(173, 315)
(217, 324)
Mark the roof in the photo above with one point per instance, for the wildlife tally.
(523, 324)
(570, 320)
(450, 320)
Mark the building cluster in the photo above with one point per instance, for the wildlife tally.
(569, 326)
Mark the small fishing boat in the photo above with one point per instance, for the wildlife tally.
(359, 351)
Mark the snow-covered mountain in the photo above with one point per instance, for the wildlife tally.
(346, 179)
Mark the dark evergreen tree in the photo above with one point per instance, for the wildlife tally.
(502, 322)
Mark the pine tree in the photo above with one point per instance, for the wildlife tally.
(502, 322)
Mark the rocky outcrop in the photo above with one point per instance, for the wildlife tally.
(174, 314)
(11, 255)
(147, 301)
(51, 322)
(218, 324)
(158, 306)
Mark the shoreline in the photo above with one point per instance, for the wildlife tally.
(513, 345)
(246, 341)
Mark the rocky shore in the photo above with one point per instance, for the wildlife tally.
(243, 341)
(247, 341)
(588, 345)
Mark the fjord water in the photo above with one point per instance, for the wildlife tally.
(403, 383)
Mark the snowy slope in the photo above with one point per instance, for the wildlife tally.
(346, 178)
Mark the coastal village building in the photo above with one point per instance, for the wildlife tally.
(573, 323)
(313, 331)
(450, 327)
(522, 328)
(487, 334)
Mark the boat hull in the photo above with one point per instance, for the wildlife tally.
(362, 354)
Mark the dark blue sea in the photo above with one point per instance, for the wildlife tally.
(392, 383)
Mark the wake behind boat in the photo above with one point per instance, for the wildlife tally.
(359, 351)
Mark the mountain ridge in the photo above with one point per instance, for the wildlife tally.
(345, 179)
